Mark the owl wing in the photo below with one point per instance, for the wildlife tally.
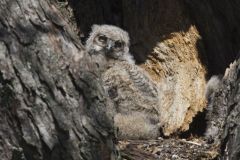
(130, 88)
(142, 81)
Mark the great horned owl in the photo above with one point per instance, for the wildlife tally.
(133, 92)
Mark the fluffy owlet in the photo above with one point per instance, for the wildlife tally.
(134, 94)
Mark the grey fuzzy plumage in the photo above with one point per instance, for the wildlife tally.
(135, 95)
(212, 88)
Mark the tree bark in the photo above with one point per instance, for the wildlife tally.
(223, 114)
(52, 105)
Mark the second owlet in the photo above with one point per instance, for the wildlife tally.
(134, 94)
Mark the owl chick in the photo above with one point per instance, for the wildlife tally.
(135, 95)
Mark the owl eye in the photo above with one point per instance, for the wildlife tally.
(102, 38)
(118, 44)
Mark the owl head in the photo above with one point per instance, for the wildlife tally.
(110, 41)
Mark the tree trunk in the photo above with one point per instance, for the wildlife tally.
(52, 105)
(223, 114)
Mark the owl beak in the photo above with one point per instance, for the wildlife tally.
(110, 45)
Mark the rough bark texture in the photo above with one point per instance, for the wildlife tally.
(52, 105)
(223, 114)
